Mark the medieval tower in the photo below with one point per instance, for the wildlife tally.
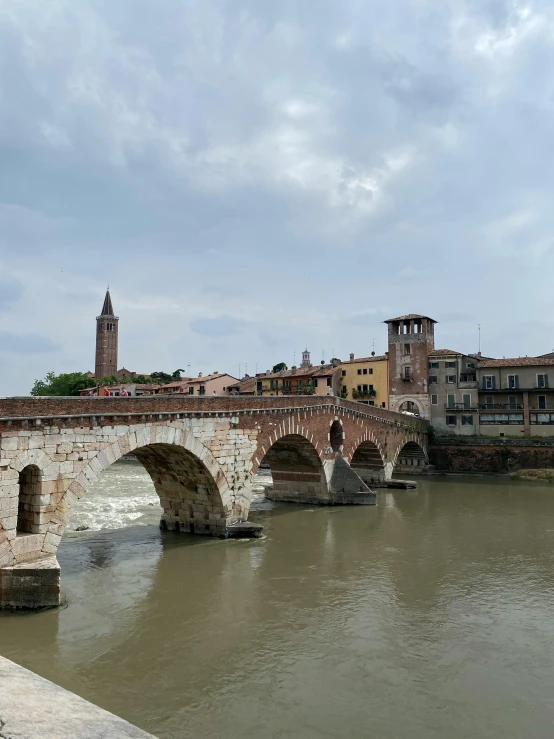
(106, 340)
(411, 338)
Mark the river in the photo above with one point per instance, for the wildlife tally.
(429, 615)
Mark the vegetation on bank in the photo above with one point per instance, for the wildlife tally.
(73, 382)
(541, 474)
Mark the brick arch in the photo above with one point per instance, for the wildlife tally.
(409, 439)
(297, 469)
(285, 429)
(365, 437)
(165, 441)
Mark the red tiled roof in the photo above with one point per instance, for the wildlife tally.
(444, 352)
(206, 378)
(377, 358)
(315, 371)
(409, 317)
(517, 362)
(177, 383)
(246, 386)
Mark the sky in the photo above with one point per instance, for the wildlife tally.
(253, 177)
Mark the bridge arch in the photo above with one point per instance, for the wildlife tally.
(410, 457)
(194, 493)
(368, 460)
(297, 470)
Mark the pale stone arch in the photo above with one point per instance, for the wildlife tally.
(194, 491)
(37, 457)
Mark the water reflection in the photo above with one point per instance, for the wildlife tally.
(429, 615)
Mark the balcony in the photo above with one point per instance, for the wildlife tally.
(360, 394)
(406, 379)
(459, 407)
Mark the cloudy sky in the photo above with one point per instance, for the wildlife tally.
(253, 176)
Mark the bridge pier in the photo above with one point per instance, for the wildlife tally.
(30, 585)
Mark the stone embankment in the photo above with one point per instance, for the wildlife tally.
(491, 456)
(34, 708)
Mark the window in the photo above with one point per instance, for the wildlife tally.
(489, 382)
(370, 371)
(359, 371)
(202, 390)
(542, 419)
(470, 365)
(364, 371)
(513, 381)
(315, 381)
(407, 373)
(501, 419)
(451, 379)
(434, 399)
(434, 365)
(451, 420)
(371, 402)
(467, 400)
(489, 401)
(328, 382)
(450, 365)
(467, 420)
(542, 381)
(512, 401)
(344, 373)
(542, 401)
(451, 401)
(406, 349)
(191, 390)
(433, 380)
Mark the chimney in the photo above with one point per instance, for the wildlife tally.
(293, 370)
(200, 374)
(351, 356)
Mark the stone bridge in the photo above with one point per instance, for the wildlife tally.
(201, 454)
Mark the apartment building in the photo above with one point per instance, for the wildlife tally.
(366, 380)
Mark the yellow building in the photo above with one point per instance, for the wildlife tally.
(366, 380)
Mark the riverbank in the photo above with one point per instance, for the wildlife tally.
(534, 475)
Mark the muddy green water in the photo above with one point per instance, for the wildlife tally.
(429, 615)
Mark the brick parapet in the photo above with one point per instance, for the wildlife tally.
(73, 409)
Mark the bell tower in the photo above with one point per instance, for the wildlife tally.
(411, 338)
(106, 340)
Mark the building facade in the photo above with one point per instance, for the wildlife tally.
(319, 380)
(453, 392)
(366, 379)
(107, 327)
(516, 396)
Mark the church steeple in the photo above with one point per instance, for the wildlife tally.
(107, 308)
(106, 340)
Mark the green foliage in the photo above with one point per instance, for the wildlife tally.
(279, 367)
(163, 377)
(63, 384)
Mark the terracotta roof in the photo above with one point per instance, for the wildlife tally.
(517, 362)
(206, 378)
(444, 352)
(315, 371)
(409, 317)
(177, 383)
(377, 358)
(246, 386)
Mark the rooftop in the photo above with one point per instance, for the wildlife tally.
(375, 358)
(206, 378)
(517, 362)
(409, 317)
(107, 308)
(321, 370)
(444, 352)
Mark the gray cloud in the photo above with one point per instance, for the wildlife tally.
(289, 167)
(25, 343)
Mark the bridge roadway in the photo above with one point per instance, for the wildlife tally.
(201, 453)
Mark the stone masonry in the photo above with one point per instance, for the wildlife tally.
(201, 454)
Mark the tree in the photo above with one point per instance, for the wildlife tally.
(280, 367)
(63, 384)
(177, 375)
(161, 377)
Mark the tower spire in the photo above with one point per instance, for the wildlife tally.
(107, 308)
